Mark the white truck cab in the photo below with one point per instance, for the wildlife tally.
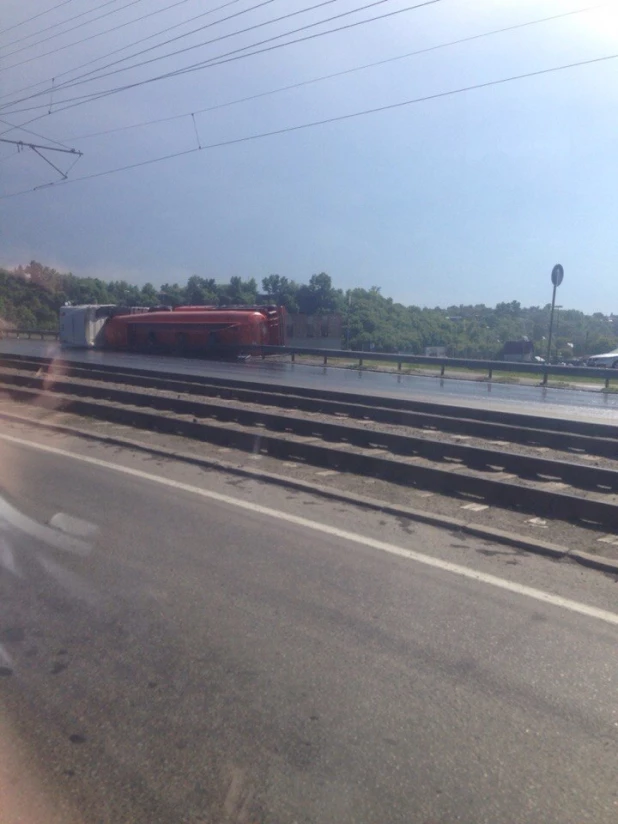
(82, 326)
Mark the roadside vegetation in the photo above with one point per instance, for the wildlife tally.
(30, 297)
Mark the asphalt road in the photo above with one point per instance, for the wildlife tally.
(179, 656)
(593, 405)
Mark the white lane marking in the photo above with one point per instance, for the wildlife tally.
(391, 549)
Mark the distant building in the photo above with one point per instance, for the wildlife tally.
(435, 351)
(315, 331)
(518, 351)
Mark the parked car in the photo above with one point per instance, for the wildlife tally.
(607, 361)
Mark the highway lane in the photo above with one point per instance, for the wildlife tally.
(176, 657)
(590, 405)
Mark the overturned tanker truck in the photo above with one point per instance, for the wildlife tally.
(182, 330)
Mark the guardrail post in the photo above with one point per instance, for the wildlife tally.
(348, 356)
(607, 383)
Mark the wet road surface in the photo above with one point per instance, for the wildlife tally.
(589, 405)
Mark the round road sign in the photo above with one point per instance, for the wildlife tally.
(557, 274)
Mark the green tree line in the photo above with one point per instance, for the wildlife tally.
(31, 296)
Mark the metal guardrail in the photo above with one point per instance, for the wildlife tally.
(544, 371)
(43, 334)
(488, 366)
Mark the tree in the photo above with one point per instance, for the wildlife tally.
(201, 292)
(318, 296)
(149, 295)
(282, 291)
(238, 292)
(172, 294)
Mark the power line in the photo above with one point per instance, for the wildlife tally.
(342, 73)
(35, 134)
(78, 81)
(327, 121)
(122, 48)
(66, 31)
(103, 32)
(35, 17)
(81, 79)
(55, 25)
(212, 63)
(220, 59)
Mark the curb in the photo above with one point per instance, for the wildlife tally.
(512, 539)
(594, 561)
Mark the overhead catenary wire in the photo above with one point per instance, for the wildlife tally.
(122, 48)
(326, 121)
(231, 2)
(253, 27)
(56, 25)
(66, 31)
(235, 54)
(35, 17)
(34, 134)
(341, 73)
(94, 74)
(102, 33)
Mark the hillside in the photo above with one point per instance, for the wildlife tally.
(31, 296)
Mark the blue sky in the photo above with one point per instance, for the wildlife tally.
(470, 198)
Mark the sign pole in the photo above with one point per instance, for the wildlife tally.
(551, 324)
(557, 274)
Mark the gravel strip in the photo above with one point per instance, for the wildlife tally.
(368, 425)
(573, 536)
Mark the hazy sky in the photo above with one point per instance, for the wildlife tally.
(469, 198)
